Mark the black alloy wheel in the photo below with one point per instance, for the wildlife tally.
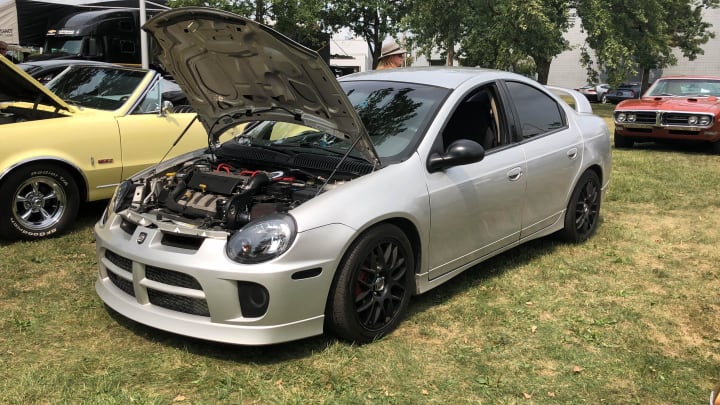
(373, 285)
(583, 210)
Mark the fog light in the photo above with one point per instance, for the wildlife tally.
(254, 299)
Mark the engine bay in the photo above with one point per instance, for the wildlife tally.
(224, 195)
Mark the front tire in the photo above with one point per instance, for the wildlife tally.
(372, 286)
(37, 202)
(622, 141)
(583, 210)
(715, 147)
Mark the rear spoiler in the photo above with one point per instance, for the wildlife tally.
(579, 101)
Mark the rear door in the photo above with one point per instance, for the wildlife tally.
(553, 151)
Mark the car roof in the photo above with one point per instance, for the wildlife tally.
(439, 76)
(61, 62)
(690, 77)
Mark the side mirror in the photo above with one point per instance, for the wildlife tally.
(167, 107)
(460, 152)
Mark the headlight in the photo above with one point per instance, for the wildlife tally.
(123, 196)
(263, 239)
(620, 117)
(631, 118)
(704, 120)
(693, 120)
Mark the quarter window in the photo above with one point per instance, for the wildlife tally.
(538, 113)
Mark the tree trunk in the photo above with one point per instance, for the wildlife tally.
(644, 84)
(450, 56)
(543, 69)
(260, 11)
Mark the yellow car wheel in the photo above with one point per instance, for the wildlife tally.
(37, 201)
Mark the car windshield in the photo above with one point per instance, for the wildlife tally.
(64, 46)
(290, 138)
(685, 87)
(395, 115)
(96, 87)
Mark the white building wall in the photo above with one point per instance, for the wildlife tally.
(356, 51)
(566, 70)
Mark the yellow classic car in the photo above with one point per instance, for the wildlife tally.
(77, 138)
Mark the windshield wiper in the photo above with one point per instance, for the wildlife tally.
(316, 146)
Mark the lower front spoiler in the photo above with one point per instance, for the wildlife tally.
(201, 327)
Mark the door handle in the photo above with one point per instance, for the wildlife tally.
(572, 153)
(515, 174)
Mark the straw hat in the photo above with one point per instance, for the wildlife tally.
(391, 48)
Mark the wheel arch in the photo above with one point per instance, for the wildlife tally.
(598, 170)
(74, 171)
(408, 228)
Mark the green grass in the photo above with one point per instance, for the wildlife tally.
(630, 317)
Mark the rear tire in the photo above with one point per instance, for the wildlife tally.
(36, 202)
(372, 286)
(583, 210)
(622, 141)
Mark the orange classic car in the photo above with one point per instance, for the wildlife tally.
(675, 108)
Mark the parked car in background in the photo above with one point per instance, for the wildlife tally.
(595, 92)
(343, 198)
(46, 70)
(677, 108)
(625, 91)
(77, 138)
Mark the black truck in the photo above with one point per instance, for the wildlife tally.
(106, 35)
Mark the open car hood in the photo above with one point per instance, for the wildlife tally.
(236, 70)
(20, 86)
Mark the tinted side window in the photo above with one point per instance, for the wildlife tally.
(538, 112)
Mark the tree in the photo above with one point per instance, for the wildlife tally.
(256, 10)
(373, 20)
(437, 25)
(520, 35)
(298, 19)
(634, 36)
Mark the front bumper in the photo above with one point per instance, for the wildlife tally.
(658, 133)
(199, 292)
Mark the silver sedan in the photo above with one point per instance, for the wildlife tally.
(338, 200)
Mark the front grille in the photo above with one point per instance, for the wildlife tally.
(171, 277)
(121, 283)
(677, 119)
(645, 117)
(188, 305)
(127, 226)
(122, 262)
(174, 302)
(182, 241)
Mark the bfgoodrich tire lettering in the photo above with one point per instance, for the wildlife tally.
(583, 210)
(372, 286)
(37, 202)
